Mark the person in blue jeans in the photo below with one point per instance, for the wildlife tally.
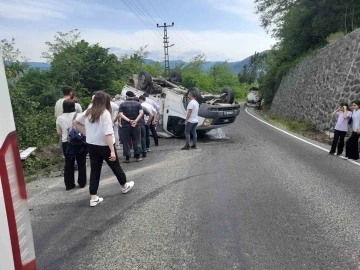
(191, 121)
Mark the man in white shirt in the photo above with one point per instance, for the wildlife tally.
(148, 119)
(118, 101)
(191, 121)
(153, 124)
(115, 112)
(68, 94)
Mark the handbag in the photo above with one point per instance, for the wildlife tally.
(76, 142)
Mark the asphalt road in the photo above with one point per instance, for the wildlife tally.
(257, 199)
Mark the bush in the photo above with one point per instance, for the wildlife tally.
(293, 124)
(335, 37)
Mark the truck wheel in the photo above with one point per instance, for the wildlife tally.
(144, 80)
(175, 77)
(230, 95)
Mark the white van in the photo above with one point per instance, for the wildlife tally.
(16, 240)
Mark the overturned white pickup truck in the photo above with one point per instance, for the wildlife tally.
(215, 111)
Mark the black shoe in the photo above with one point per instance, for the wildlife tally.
(156, 144)
(194, 146)
(331, 153)
(186, 147)
(70, 188)
(127, 160)
(144, 154)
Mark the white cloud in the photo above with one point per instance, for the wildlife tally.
(36, 10)
(216, 45)
(244, 8)
(28, 10)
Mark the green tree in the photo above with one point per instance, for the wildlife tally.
(14, 63)
(222, 76)
(254, 70)
(61, 42)
(132, 64)
(39, 86)
(155, 69)
(85, 66)
(301, 27)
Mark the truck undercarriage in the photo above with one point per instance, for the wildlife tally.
(216, 110)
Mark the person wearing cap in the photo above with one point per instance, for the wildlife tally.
(130, 113)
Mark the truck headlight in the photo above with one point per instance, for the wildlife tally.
(207, 122)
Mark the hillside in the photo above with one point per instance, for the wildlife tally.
(236, 67)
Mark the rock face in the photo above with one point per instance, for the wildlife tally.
(313, 89)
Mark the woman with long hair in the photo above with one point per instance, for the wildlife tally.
(343, 115)
(64, 124)
(352, 144)
(96, 123)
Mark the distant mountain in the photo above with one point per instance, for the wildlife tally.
(40, 65)
(236, 67)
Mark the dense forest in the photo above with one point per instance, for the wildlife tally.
(88, 68)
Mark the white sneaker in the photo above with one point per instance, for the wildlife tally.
(96, 201)
(139, 159)
(128, 186)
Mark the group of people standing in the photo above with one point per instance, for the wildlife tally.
(345, 117)
(103, 126)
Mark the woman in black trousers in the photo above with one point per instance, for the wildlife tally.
(100, 138)
(343, 115)
(352, 144)
(64, 124)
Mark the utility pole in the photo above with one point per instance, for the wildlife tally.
(166, 47)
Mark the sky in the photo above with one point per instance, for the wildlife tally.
(223, 30)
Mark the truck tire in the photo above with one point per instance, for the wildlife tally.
(144, 80)
(230, 95)
(175, 77)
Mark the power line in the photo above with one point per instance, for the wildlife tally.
(140, 14)
(140, 10)
(155, 10)
(146, 23)
(165, 10)
(182, 40)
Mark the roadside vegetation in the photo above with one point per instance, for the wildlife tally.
(87, 68)
(304, 128)
(301, 27)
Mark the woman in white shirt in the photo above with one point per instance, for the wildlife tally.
(96, 123)
(352, 144)
(64, 124)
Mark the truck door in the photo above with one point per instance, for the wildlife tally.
(174, 114)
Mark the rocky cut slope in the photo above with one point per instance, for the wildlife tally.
(312, 89)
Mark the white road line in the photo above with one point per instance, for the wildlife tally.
(300, 139)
